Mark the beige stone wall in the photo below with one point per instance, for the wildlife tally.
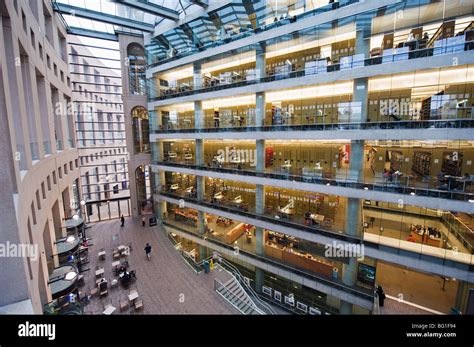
(33, 43)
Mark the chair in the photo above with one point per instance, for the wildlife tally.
(94, 291)
(138, 304)
(103, 289)
(114, 283)
(328, 222)
(123, 304)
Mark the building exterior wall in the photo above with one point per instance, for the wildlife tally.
(100, 127)
(131, 101)
(37, 145)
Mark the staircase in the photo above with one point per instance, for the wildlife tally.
(233, 293)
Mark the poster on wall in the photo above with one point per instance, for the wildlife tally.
(366, 274)
(302, 307)
(277, 296)
(290, 300)
(314, 311)
(267, 290)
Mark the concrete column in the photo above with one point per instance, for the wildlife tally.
(259, 208)
(356, 164)
(359, 100)
(345, 307)
(258, 280)
(260, 157)
(200, 192)
(197, 75)
(199, 151)
(200, 187)
(157, 151)
(160, 206)
(260, 109)
(363, 33)
(260, 60)
(259, 199)
(198, 115)
(362, 46)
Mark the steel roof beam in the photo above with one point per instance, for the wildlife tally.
(92, 33)
(81, 12)
(148, 7)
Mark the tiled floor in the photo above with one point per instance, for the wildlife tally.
(416, 287)
(166, 284)
(392, 306)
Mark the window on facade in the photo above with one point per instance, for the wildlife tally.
(141, 142)
(136, 69)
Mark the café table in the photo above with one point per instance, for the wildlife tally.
(133, 295)
(99, 272)
(109, 310)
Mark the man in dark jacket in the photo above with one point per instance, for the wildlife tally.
(148, 250)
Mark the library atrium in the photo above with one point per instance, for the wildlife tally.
(302, 157)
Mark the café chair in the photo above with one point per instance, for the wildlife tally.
(138, 304)
(94, 291)
(123, 305)
(114, 283)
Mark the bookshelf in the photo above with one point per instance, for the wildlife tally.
(422, 163)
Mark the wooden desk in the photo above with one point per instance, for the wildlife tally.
(436, 242)
(235, 233)
(307, 262)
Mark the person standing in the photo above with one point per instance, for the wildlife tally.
(148, 251)
(381, 295)
(143, 221)
(122, 219)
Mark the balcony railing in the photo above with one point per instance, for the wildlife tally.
(267, 218)
(425, 254)
(359, 291)
(388, 187)
(393, 125)
(351, 63)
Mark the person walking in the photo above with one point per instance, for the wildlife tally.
(143, 221)
(381, 295)
(148, 251)
(122, 219)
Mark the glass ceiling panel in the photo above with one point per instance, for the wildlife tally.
(204, 29)
(121, 10)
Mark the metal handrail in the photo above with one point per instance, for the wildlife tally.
(376, 60)
(346, 183)
(358, 291)
(219, 286)
(238, 275)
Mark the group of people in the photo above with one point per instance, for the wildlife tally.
(122, 221)
(388, 175)
(147, 248)
(424, 231)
